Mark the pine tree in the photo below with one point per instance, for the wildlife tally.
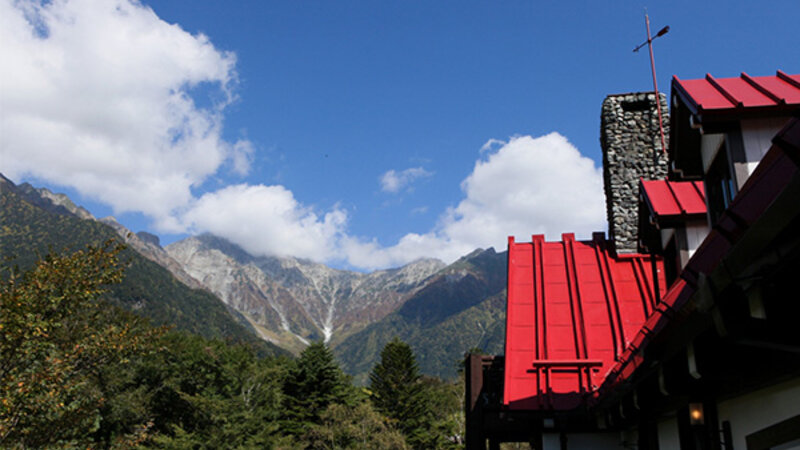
(398, 393)
(312, 383)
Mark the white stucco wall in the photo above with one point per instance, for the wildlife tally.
(584, 441)
(668, 434)
(760, 409)
(709, 146)
(696, 232)
(757, 137)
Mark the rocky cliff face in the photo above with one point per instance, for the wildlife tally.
(292, 301)
(148, 246)
(50, 201)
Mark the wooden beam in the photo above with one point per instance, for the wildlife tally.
(779, 433)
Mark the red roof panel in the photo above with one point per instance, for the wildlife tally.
(674, 198)
(720, 94)
(572, 310)
(705, 95)
(780, 87)
(744, 93)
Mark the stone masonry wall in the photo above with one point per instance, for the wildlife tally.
(631, 146)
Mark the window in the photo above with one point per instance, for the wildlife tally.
(672, 261)
(720, 186)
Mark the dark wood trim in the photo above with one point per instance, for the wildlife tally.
(475, 437)
(777, 434)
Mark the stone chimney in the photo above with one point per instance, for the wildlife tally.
(631, 145)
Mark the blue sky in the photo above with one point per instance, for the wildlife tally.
(361, 134)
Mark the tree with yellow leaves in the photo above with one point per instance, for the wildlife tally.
(56, 338)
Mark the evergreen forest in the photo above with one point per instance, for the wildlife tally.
(79, 371)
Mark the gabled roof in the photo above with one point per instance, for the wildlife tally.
(674, 199)
(573, 309)
(717, 95)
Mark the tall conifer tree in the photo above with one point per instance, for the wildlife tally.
(398, 393)
(313, 382)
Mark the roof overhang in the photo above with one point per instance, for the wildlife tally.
(667, 204)
(717, 105)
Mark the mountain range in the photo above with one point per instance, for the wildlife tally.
(293, 301)
(208, 285)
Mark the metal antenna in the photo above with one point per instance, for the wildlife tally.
(649, 43)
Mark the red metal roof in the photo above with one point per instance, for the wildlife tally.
(573, 309)
(711, 94)
(669, 199)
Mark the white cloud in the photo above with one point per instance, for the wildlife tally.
(96, 95)
(393, 181)
(527, 186)
(267, 220)
(492, 143)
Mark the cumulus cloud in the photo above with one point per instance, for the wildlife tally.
(527, 186)
(393, 181)
(97, 95)
(267, 220)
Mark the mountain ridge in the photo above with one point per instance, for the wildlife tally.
(32, 225)
(460, 308)
(440, 310)
(323, 303)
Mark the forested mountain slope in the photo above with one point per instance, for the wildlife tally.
(32, 225)
(460, 308)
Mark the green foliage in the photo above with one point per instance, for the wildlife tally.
(354, 427)
(56, 341)
(207, 394)
(77, 371)
(313, 382)
(425, 409)
(463, 308)
(29, 230)
(394, 383)
(446, 402)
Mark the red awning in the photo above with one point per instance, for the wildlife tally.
(573, 308)
(711, 94)
(674, 199)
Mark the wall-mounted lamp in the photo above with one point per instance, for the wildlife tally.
(696, 416)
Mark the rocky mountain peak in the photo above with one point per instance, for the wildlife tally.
(47, 200)
(149, 238)
(305, 299)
